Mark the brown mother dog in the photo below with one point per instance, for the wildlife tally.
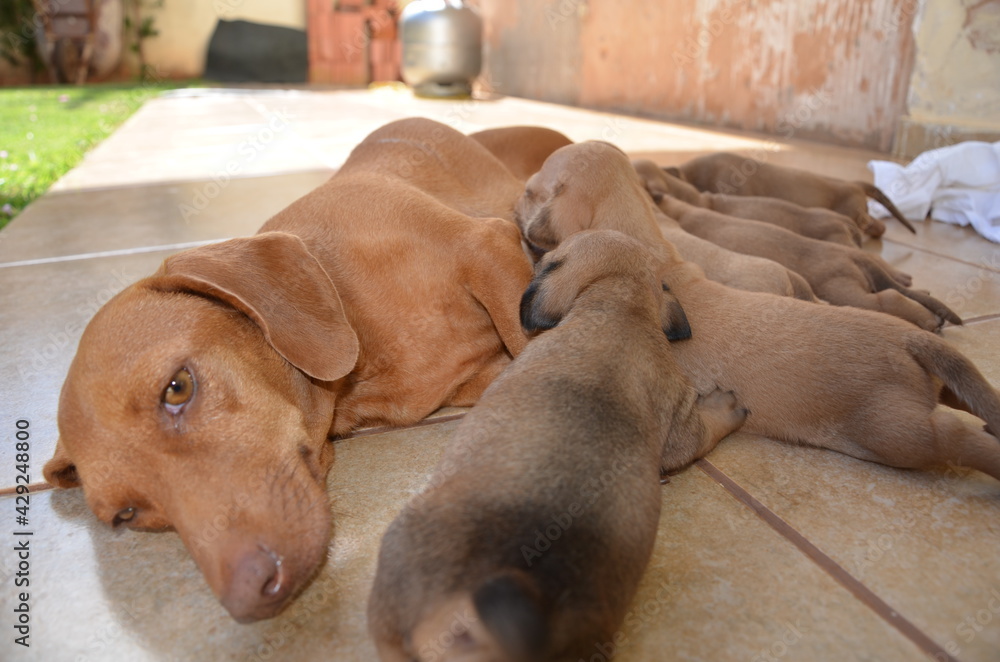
(523, 149)
(855, 381)
(540, 518)
(208, 392)
(726, 172)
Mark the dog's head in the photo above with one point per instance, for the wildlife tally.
(590, 185)
(586, 258)
(200, 399)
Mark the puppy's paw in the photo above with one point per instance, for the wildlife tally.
(724, 407)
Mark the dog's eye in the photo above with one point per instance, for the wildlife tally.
(179, 390)
(122, 516)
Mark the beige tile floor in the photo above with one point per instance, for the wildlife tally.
(765, 551)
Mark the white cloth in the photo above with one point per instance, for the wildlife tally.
(958, 184)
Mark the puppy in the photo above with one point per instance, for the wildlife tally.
(813, 222)
(854, 381)
(530, 541)
(523, 149)
(739, 271)
(841, 275)
(725, 172)
(209, 392)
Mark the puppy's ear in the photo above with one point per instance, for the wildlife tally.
(544, 303)
(672, 317)
(674, 171)
(274, 280)
(558, 214)
(60, 470)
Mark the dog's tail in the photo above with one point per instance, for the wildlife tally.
(876, 194)
(965, 388)
(511, 610)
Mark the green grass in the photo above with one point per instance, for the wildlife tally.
(45, 131)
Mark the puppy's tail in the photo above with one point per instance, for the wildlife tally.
(511, 609)
(876, 194)
(964, 384)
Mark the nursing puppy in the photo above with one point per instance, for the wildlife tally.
(530, 541)
(855, 381)
(743, 272)
(813, 222)
(841, 275)
(725, 172)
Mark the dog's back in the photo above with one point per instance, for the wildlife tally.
(413, 233)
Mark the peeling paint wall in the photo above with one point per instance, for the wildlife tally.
(956, 76)
(834, 70)
(830, 69)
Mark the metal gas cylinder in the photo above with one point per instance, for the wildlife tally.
(442, 47)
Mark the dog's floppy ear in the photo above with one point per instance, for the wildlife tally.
(60, 470)
(274, 280)
(672, 317)
(674, 171)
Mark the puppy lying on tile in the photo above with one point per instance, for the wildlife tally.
(725, 172)
(210, 391)
(530, 541)
(840, 275)
(735, 269)
(814, 222)
(856, 381)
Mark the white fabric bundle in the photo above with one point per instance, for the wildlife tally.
(959, 184)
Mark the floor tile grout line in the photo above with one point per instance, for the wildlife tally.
(982, 318)
(944, 255)
(115, 253)
(828, 565)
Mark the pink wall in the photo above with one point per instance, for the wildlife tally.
(836, 70)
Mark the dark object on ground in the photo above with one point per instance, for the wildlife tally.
(245, 52)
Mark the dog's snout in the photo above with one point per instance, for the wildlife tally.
(258, 587)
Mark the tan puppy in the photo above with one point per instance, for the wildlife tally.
(814, 222)
(539, 520)
(854, 381)
(732, 173)
(207, 393)
(743, 272)
(841, 275)
(523, 149)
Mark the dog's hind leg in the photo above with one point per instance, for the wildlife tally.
(960, 445)
(847, 292)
